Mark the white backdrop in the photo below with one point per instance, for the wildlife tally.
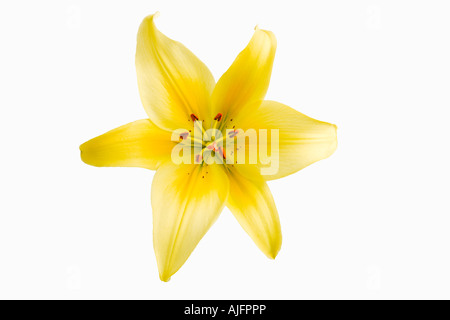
(372, 221)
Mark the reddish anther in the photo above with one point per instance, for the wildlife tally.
(194, 117)
(222, 153)
(184, 135)
(218, 117)
(233, 133)
(198, 158)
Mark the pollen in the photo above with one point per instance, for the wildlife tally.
(233, 133)
(222, 153)
(194, 117)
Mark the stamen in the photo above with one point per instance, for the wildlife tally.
(233, 133)
(222, 153)
(197, 123)
(198, 158)
(189, 139)
(217, 118)
(194, 117)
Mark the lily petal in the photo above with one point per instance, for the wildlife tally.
(186, 201)
(252, 204)
(137, 144)
(302, 140)
(247, 80)
(173, 82)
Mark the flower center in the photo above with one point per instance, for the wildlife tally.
(208, 144)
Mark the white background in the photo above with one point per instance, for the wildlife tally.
(372, 221)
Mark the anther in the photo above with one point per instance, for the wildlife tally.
(222, 153)
(233, 133)
(218, 117)
(198, 158)
(194, 117)
(184, 135)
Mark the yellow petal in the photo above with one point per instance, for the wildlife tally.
(252, 204)
(186, 201)
(137, 144)
(173, 82)
(302, 140)
(247, 80)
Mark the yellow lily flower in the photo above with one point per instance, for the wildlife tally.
(176, 90)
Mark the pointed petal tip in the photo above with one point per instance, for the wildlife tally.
(275, 246)
(152, 16)
(148, 21)
(165, 275)
(164, 278)
(83, 152)
(272, 249)
(272, 39)
(272, 254)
